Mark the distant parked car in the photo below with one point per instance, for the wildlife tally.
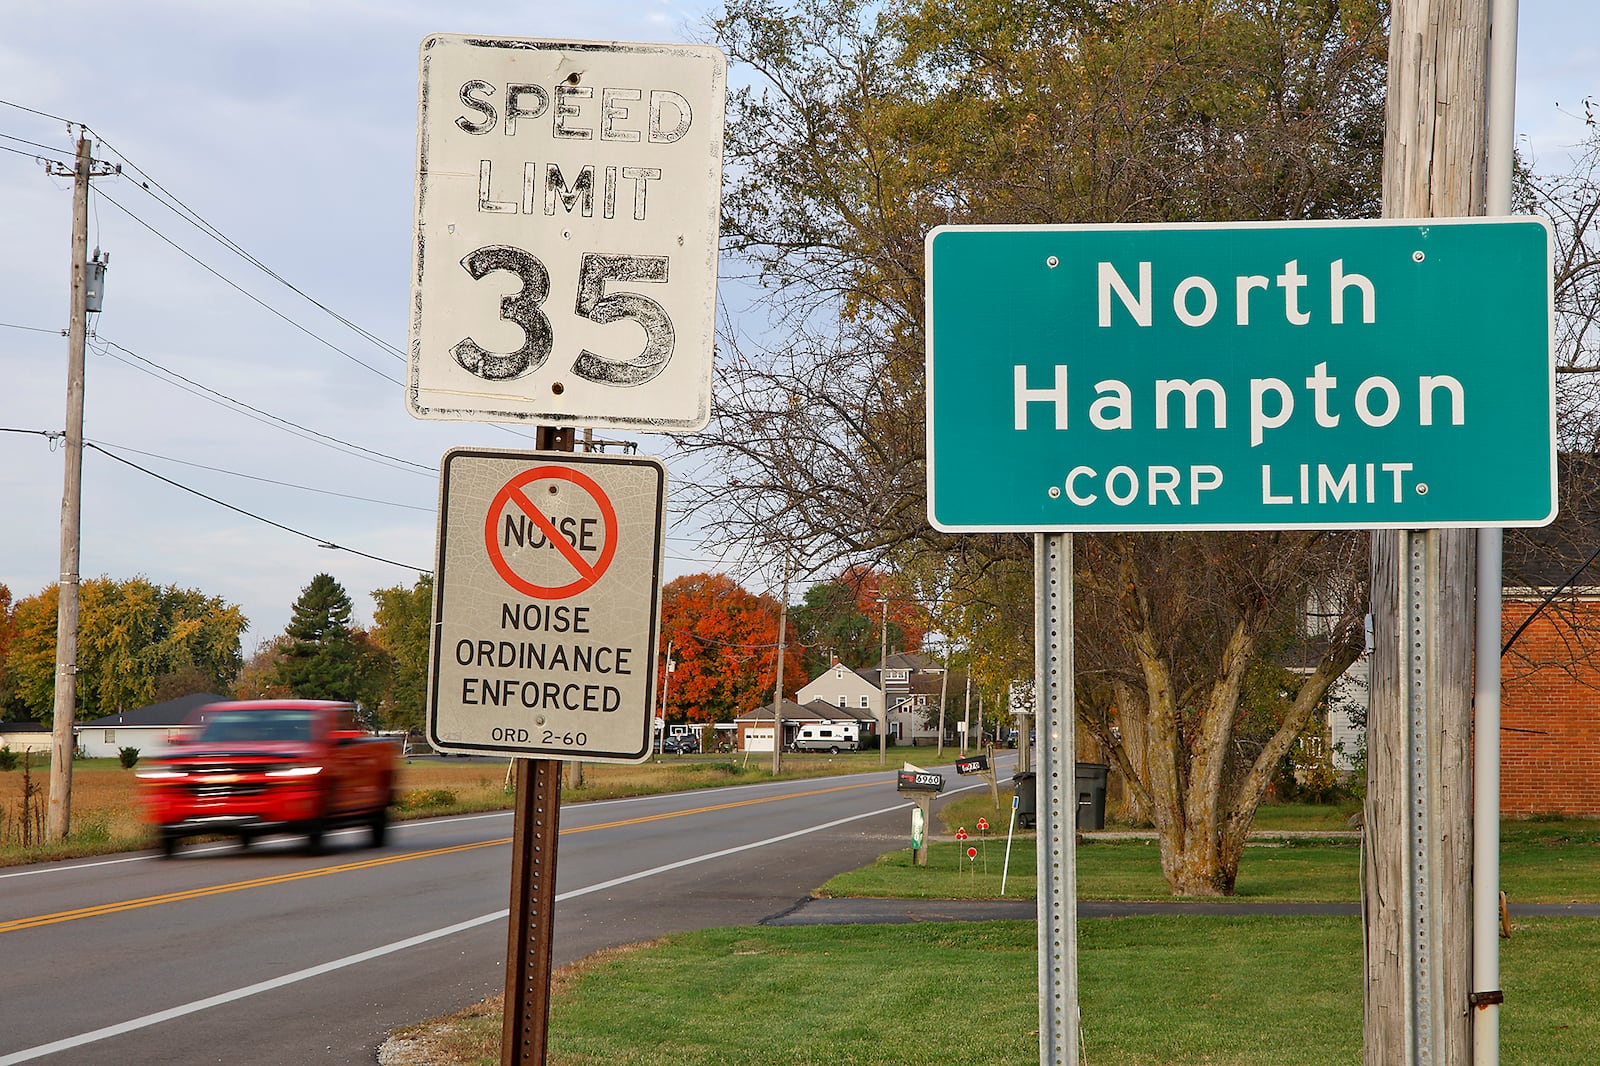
(682, 744)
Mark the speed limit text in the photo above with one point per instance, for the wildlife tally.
(573, 113)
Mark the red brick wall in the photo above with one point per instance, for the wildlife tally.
(1550, 713)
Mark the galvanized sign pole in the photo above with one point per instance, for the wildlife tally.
(1057, 802)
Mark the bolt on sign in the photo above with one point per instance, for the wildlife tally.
(546, 605)
(1363, 374)
(568, 202)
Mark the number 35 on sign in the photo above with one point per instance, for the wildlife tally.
(565, 261)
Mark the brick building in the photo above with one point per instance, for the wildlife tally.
(1550, 677)
(1550, 711)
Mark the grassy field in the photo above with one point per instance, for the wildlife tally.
(1541, 861)
(1153, 992)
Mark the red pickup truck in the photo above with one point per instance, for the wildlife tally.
(271, 766)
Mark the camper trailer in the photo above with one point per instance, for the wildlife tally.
(832, 737)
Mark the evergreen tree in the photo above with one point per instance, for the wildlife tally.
(320, 655)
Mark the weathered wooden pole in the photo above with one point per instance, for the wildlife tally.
(1417, 848)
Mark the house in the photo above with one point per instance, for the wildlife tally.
(754, 728)
(912, 685)
(19, 737)
(151, 730)
(845, 689)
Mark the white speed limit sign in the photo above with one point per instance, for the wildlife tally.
(565, 267)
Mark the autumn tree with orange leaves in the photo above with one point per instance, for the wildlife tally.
(725, 642)
(845, 617)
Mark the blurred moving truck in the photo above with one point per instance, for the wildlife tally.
(248, 769)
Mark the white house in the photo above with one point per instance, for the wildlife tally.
(840, 686)
(25, 736)
(151, 729)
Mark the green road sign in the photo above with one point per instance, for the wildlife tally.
(1376, 374)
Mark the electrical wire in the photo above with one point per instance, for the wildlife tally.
(255, 413)
(164, 196)
(101, 194)
(41, 114)
(320, 541)
(28, 155)
(268, 480)
(36, 144)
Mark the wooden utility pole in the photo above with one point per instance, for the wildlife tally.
(1417, 846)
(883, 683)
(62, 744)
(777, 686)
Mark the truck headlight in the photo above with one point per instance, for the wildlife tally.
(295, 771)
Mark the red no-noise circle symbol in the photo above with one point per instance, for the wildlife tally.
(586, 551)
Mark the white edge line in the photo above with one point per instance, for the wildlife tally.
(132, 1025)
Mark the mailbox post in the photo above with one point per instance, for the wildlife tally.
(923, 786)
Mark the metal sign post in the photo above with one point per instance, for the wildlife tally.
(1057, 804)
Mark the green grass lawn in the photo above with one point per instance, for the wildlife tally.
(1153, 992)
(1541, 861)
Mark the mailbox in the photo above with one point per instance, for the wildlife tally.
(976, 764)
(919, 781)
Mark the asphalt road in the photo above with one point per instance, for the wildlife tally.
(274, 956)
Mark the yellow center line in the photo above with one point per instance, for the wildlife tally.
(17, 924)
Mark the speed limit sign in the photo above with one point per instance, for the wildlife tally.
(565, 252)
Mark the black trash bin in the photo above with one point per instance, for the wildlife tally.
(1027, 792)
(1091, 778)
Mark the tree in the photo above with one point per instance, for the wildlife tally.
(134, 638)
(866, 125)
(403, 622)
(725, 643)
(258, 677)
(8, 705)
(320, 654)
(844, 618)
(1571, 201)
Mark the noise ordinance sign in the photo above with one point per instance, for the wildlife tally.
(1245, 376)
(546, 596)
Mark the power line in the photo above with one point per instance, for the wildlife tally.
(246, 293)
(320, 541)
(27, 154)
(37, 144)
(169, 200)
(270, 481)
(253, 412)
(41, 114)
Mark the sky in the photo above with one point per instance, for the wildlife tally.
(289, 127)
